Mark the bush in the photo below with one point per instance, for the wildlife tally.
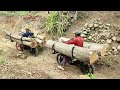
(57, 23)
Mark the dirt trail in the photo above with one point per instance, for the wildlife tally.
(44, 66)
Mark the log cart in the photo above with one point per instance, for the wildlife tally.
(85, 57)
(34, 45)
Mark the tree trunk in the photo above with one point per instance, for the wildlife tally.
(83, 54)
(100, 48)
(32, 42)
(17, 37)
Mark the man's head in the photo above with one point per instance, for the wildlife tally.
(28, 30)
(77, 33)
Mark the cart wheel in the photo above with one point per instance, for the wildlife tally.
(34, 51)
(19, 46)
(60, 59)
(85, 68)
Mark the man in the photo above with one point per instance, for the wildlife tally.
(77, 41)
(28, 33)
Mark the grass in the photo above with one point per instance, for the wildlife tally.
(2, 59)
(56, 23)
(14, 13)
(91, 76)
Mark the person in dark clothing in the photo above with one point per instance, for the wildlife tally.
(28, 33)
(77, 41)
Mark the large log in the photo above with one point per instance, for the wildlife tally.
(84, 54)
(101, 48)
(41, 38)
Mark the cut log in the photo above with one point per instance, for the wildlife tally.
(83, 54)
(100, 48)
(25, 41)
(17, 37)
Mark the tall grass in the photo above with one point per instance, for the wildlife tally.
(57, 23)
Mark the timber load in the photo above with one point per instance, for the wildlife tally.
(100, 48)
(83, 54)
(32, 42)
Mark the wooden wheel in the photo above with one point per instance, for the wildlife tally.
(19, 46)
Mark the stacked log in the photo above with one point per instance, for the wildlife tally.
(100, 48)
(32, 42)
(83, 54)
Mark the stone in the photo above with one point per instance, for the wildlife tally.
(118, 47)
(115, 52)
(86, 25)
(90, 25)
(100, 26)
(108, 25)
(90, 37)
(114, 48)
(114, 38)
(118, 40)
(95, 25)
(84, 32)
(83, 35)
(109, 41)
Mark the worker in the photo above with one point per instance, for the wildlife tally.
(28, 33)
(77, 41)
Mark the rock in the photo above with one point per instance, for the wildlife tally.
(95, 25)
(102, 41)
(118, 40)
(90, 25)
(118, 47)
(86, 25)
(88, 28)
(114, 38)
(85, 32)
(83, 35)
(29, 73)
(84, 29)
(109, 41)
(108, 25)
(115, 52)
(100, 26)
(90, 37)
(114, 48)
(105, 27)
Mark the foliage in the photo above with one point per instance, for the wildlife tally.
(2, 59)
(91, 76)
(14, 13)
(57, 23)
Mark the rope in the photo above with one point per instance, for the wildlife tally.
(21, 40)
(72, 51)
(54, 49)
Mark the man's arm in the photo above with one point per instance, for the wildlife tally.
(71, 42)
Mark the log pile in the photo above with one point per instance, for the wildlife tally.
(32, 42)
(86, 55)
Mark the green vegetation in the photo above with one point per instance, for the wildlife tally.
(57, 23)
(14, 13)
(91, 76)
(2, 60)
